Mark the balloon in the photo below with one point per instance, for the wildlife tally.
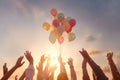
(68, 18)
(58, 34)
(72, 22)
(60, 29)
(60, 40)
(71, 37)
(46, 26)
(56, 23)
(60, 16)
(52, 37)
(69, 30)
(63, 21)
(52, 28)
(53, 12)
(66, 26)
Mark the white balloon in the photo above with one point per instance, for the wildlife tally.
(52, 37)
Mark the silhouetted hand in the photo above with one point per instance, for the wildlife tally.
(5, 69)
(29, 57)
(84, 53)
(109, 55)
(19, 62)
(70, 61)
(43, 58)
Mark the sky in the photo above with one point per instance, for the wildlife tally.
(97, 30)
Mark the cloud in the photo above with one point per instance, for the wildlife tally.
(91, 38)
(29, 9)
(93, 51)
(116, 60)
(106, 69)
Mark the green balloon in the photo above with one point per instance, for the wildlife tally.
(71, 37)
(60, 16)
(68, 18)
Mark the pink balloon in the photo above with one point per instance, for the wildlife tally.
(72, 22)
(56, 23)
(54, 12)
(61, 40)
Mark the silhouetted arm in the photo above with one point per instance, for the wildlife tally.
(22, 76)
(18, 64)
(84, 70)
(52, 70)
(97, 70)
(30, 71)
(62, 67)
(115, 73)
(72, 70)
(94, 77)
(40, 74)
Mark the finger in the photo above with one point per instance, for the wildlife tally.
(22, 63)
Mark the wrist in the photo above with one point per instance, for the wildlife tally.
(71, 65)
(15, 67)
(31, 63)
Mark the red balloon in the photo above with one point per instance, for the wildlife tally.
(56, 23)
(60, 40)
(54, 12)
(69, 30)
(72, 22)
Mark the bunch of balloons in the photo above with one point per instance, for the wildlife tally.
(59, 25)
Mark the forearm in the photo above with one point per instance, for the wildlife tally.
(29, 73)
(94, 78)
(97, 70)
(22, 77)
(52, 76)
(85, 73)
(73, 73)
(62, 68)
(9, 73)
(115, 73)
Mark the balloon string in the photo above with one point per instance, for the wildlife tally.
(56, 47)
(60, 49)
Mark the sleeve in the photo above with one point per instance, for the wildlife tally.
(30, 71)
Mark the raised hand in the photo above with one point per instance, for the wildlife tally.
(109, 55)
(70, 61)
(40, 65)
(43, 58)
(5, 69)
(19, 62)
(29, 57)
(84, 53)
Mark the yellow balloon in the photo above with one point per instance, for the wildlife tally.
(46, 26)
(52, 28)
